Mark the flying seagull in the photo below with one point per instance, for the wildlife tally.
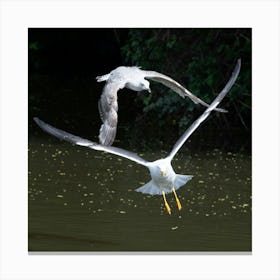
(135, 79)
(164, 179)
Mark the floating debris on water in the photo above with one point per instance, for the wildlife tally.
(174, 228)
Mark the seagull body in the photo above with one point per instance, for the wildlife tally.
(130, 77)
(135, 79)
(163, 178)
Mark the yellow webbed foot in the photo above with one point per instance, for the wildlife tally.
(168, 209)
(177, 199)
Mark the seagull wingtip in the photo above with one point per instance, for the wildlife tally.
(36, 120)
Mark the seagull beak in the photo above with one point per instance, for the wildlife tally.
(149, 90)
(163, 173)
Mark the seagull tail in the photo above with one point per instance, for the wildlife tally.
(153, 189)
(181, 180)
(102, 78)
(149, 188)
(107, 134)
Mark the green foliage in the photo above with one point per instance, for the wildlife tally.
(201, 60)
(33, 46)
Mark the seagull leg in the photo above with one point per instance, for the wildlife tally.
(177, 199)
(166, 203)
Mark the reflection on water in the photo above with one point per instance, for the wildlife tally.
(83, 200)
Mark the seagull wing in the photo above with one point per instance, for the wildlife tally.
(63, 135)
(175, 86)
(108, 110)
(212, 106)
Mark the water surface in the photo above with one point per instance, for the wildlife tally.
(83, 200)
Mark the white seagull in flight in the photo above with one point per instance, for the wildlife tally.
(135, 79)
(164, 179)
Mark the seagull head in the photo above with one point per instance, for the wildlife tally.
(162, 168)
(163, 172)
(145, 85)
(159, 169)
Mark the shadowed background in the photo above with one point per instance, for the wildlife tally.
(63, 64)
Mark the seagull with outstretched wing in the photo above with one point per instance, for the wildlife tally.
(135, 79)
(164, 179)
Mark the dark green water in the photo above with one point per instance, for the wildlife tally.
(83, 200)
